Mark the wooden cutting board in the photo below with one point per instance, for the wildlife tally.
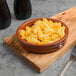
(42, 61)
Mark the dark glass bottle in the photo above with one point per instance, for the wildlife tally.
(22, 9)
(5, 17)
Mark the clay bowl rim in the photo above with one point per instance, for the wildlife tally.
(53, 43)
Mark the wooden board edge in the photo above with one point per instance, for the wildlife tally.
(37, 68)
(49, 64)
(63, 12)
(22, 57)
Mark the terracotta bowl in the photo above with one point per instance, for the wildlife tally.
(42, 48)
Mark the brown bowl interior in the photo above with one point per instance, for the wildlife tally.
(54, 44)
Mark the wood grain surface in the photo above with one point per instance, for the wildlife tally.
(42, 61)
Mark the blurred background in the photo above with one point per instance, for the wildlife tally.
(11, 65)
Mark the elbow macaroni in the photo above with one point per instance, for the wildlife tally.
(43, 31)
